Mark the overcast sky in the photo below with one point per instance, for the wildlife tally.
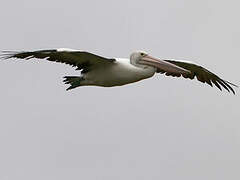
(160, 128)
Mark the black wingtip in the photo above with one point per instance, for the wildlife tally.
(70, 88)
(232, 84)
(7, 54)
(229, 85)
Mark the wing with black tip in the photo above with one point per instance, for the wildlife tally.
(203, 75)
(84, 61)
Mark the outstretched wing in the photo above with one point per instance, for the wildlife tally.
(202, 74)
(84, 61)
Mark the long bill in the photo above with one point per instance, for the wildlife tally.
(162, 65)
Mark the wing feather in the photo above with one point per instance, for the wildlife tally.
(203, 75)
(82, 60)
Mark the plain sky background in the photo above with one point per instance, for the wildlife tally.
(160, 128)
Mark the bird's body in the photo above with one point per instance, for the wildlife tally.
(120, 73)
(100, 71)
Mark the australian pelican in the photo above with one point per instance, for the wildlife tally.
(101, 71)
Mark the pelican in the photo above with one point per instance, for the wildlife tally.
(108, 72)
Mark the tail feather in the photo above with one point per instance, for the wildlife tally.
(74, 81)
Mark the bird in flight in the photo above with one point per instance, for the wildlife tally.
(108, 72)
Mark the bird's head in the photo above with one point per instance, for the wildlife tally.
(143, 60)
(136, 57)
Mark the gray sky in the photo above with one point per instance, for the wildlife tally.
(160, 128)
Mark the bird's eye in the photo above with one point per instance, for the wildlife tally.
(142, 54)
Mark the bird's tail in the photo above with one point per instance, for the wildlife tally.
(74, 81)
